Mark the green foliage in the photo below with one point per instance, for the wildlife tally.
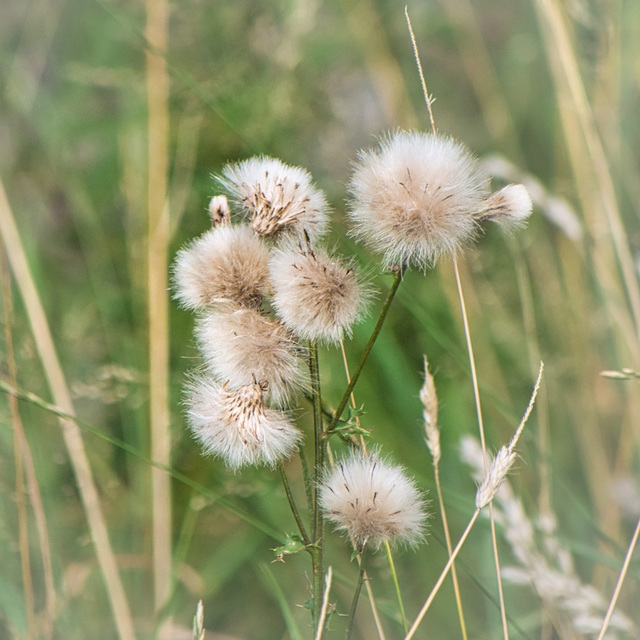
(312, 83)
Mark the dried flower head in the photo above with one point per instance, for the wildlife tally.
(226, 264)
(277, 198)
(415, 199)
(509, 207)
(242, 345)
(236, 425)
(373, 501)
(315, 295)
(219, 211)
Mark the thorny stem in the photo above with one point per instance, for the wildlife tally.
(292, 504)
(356, 596)
(396, 585)
(317, 552)
(374, 335)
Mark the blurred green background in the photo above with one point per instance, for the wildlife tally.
(311, 83)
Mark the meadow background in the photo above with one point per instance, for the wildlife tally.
(105, 173)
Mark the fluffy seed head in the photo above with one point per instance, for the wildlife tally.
(278, 199)
(509, 207)
(373, 501)
(236, 425)
(219, 211)
(315, 295)
(415, 198)
(241, 345)
(226, 264)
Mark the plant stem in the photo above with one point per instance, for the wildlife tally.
(356, 597)
(317, 552)
(376, 331)
(443, 575)
(394, 575)
(292, 504)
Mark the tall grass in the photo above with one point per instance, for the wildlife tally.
(107, 140)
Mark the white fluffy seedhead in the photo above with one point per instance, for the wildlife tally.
(510, 207)
(373, 501)
(228, 264)
(277, 198)
(242, 345)
(236, 425)
(317, 296)
(416, 197)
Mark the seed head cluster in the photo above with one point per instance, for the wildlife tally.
(262, 286)
(226, 264)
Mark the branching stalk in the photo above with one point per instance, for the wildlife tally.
(374, 335)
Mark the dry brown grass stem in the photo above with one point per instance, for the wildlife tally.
(429, 399)
(156, 33)
(70, 431)
(325, 604)
(589, 161)
(621, 577)
(476, 395)
(19, 444)
(480, 70)
(383, 68)
(443, 575)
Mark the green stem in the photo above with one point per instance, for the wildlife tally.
(317, 553)
(376, 331)
(292, 504)
(356, 596)
(394, 575)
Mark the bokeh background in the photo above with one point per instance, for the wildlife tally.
(544, 92)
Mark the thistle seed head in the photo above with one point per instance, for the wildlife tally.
(226, 264)
(317, 296)
(237, 426)
(416, 197)
(373, 501)
(509, 207)
(242, 345)
(277, 198)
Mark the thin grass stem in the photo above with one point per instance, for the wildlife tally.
(317, 553)
(70, 431)
(476, 395)
(19, 444)
(325, 605)
(158, 230)
(396, 585)
(447, 537)
(442, 577)
(621, 577)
